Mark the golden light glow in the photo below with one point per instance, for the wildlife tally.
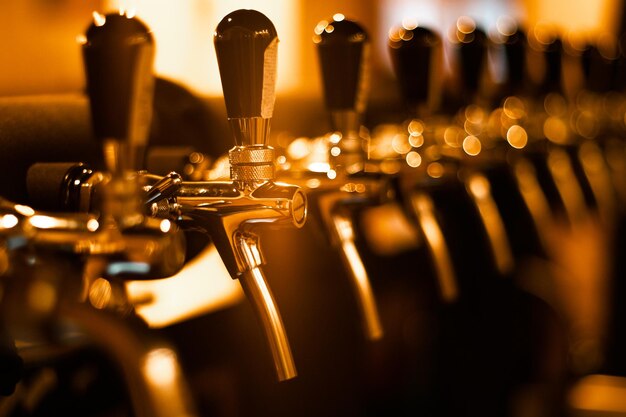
(453, 136)
(165, 225)
(92, 225)
(409, 23)
(202, 286)
(599, 393)
(435, 240)
(338, 17)
(472, 145)
(435, 170)
(335, 151)
(415, 127)
(161, 367)
(98, 19)
(42, 296)
(400, 144)
(331, 174)
(506, 25)
(100, 293)
(387, 229)
(465, 24)
(413, 159)
(555, 130)
(8, 221)
(514, 108)
(517, 137)
(299, 148)
(24, 210)
(185, 50)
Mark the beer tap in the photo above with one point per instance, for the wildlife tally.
(341, 185)
(116, 241)
(233, 212)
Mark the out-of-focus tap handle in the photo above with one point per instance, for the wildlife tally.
(515, 47)
(246, 45)
(551, 48)
(598, 68)
(416, 56)
(118, 55)
(343, 48)
(472, 45)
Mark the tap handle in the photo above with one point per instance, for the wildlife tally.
(343, 47)
(164, 188)
(515, 45)
(118, 53)
(416, 56)
(598, 67)
(472, 44)
(551, 51)
(246, 45)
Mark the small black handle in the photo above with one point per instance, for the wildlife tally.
(472, 57)
(118, 54)
(515, 45)
(246, 45)
(342, 48)
(417, 61)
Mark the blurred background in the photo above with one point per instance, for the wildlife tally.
(41, 55)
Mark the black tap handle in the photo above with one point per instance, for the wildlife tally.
(552, 51)
(118, 54)
(472, 56)
(246, 45)
(342, 48)
(598, 69)
(416, 56)
(515, 45)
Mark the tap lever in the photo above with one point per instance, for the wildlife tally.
(246, 45)
(343, 48)
(118, 51)
(416, 54)
(472, 45)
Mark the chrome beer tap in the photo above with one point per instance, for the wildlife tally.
(234, 212)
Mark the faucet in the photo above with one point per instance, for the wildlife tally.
(342, 185)
(233, 212)
(116, 241)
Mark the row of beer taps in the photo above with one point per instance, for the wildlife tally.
(486, 177)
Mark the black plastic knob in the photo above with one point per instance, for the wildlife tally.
(598, 69)
(417, 61)
(342, 48)
(118, 54)
(472, 56)
(246, 45)
(552, 51)
(515, 46)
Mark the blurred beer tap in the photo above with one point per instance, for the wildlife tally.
(338, 184)
(115, 241)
